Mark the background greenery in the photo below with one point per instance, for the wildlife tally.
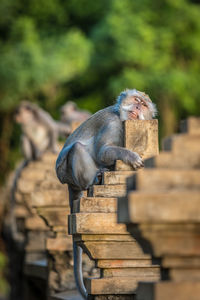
(52, 51)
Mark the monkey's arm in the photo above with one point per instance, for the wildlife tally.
(109, 147)
(27, 147)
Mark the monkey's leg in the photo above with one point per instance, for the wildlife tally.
(83, 167)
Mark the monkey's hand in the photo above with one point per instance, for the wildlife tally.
(109, 154)
(135, 161)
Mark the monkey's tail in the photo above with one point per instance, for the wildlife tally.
(17, 236)
(78, 274)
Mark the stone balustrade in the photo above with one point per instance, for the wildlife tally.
(116, 253)
(162, 212)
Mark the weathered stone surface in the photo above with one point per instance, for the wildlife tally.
(124, 263)
(120, 166)
(132, 272)
(115, 250)
(191, 126)
(54, 216)
(176, 240)
(50, 197)
(166, 180)
(185, 290)
(180, 143)
(116, 177)
(25, 186)
(98, 204)
(35, 223)
(173, 261)
(142, 137)
(126, 237)
(115, 285)
(21, 211)
(36, 241)
(32, 174)
(108, 190)
(59, 244)
(95, 223)
(174, 207)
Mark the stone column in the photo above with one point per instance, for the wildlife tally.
(163, 213)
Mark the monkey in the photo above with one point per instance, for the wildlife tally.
(70, 113)
(97, 144)
(40, 131)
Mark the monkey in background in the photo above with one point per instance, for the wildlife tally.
(40, 130)
(71, 113)
(39, 134)
(96, 145)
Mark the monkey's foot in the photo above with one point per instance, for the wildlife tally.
(99, 176)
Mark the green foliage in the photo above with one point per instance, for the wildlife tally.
(3, 283)
(88, 51)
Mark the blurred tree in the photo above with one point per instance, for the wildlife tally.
(153, 46)
(39, 51)
(54, 50)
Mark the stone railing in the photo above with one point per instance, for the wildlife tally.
(162, 212)
(116, 253)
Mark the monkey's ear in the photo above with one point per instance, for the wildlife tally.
(153, 109)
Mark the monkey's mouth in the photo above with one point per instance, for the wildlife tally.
(133, 115)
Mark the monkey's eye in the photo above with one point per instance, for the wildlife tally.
(144, 103)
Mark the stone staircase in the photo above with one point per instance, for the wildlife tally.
(162, 212)
(116, 253)
(48, 248)
(41, 209)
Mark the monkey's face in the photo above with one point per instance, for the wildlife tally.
(24, 115)
(135, 108)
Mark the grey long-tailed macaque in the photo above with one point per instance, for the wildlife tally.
(40, 133)
(40, 130)
(71, 113)
(96, 145)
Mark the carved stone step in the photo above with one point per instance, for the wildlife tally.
(176, 239)
(35, 223)
(98, 204)
(174, 207)
(115, 250)
(191, 125)
(184, 160)
(165, 290)
(116, 177)
(180, 143)
(107, 190)
(59, 244)
(50, 197)
(125, 263)
(115, 285)
(68, 295)
(166, 180)
(31, 173)
(132, 272)
(54, 216)
(95, 223)
(120, 166)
